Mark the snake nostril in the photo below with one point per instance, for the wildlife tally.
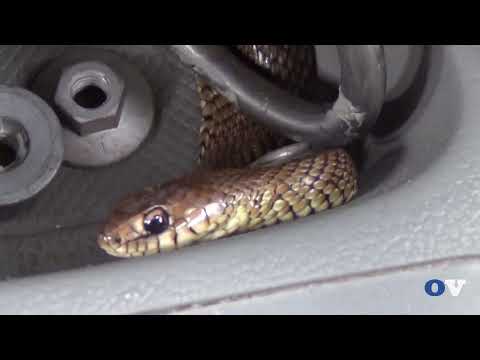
(108, 239)
(113, 240)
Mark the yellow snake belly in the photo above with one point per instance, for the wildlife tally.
(225, 197)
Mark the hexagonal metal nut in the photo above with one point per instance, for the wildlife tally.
(90, 97)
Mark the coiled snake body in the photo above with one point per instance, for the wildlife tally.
(225, 196)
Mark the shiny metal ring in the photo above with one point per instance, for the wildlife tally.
(361, 93)
(282, 155)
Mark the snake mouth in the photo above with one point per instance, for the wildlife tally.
(138, 246)
(115, 247)
(107, 244)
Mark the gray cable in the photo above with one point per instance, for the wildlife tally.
(352, 115)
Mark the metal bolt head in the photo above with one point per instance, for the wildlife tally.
(90, 96)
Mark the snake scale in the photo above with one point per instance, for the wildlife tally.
(225, 196)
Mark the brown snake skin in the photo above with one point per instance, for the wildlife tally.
(224, 197)
(228, 137)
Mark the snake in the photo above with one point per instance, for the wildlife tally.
(225, 194)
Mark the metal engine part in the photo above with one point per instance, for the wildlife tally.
(31, 146)
(105, 104)
(90, 96)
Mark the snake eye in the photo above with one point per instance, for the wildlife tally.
(156, 221)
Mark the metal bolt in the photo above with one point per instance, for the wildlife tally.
(90, 96)
(14, 143)
(31, 143)
(110, 138)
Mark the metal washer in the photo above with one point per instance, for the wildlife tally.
(44, 145)
(109, 146)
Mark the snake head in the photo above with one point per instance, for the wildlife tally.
(134, 226)
(157, 220)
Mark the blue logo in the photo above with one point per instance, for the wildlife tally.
(436, 287)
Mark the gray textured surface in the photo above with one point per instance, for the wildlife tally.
(421, 202)
(400, 291)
